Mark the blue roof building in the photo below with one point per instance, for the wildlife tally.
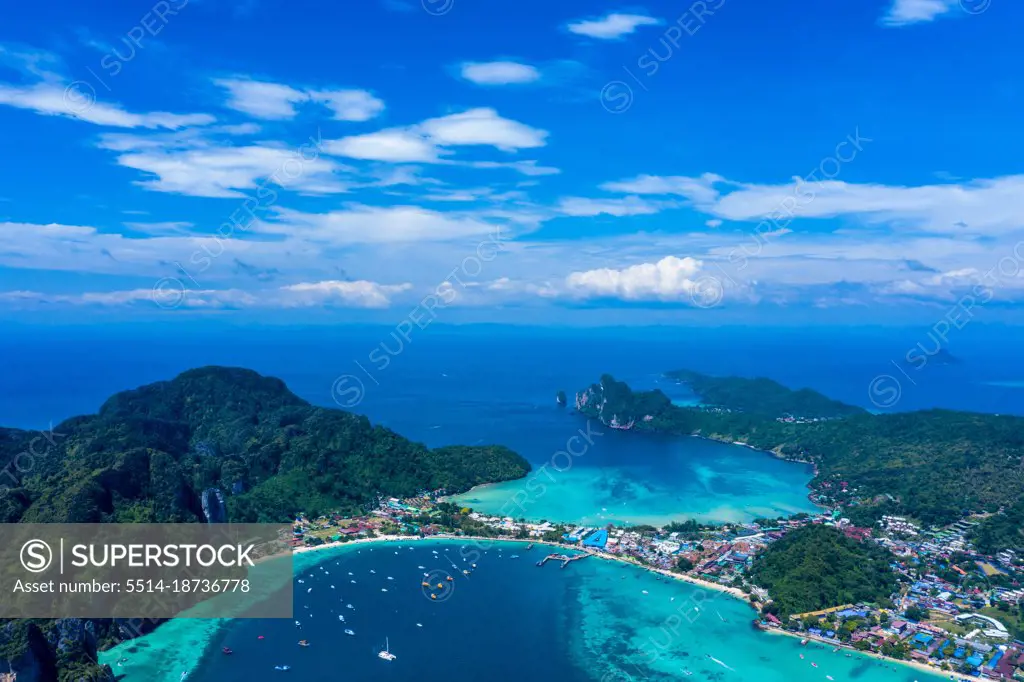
(598, 539)
(922, 640)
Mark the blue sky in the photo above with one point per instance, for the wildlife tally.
(725, 160)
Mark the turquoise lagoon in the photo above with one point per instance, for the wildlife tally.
(632, 478)
(596, 620)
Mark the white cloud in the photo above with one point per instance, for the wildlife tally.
(530, 167)
(669, 279)
(903, 12)
(429, 141)
(612, 26)
(627, 206)
(78, 101)
(360, 224)
(982, 207)
(394, 145)
(700, 189)
(350, 105)
(261, 99)
(499, 73)
(275, 101)
(176, 295)
(482, 127)
(197, 165)
(51, 94)
(713, 223)
(359, 294)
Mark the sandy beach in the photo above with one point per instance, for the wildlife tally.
(732, 591)
(910, 663)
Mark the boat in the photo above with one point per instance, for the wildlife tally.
(303, 642)
(341, 618)
(433, 596)
(298, 624)
(644, 592)
(350, 633)
(803, 642)
(386, 654)
(529, 546)
(282, 667)
(225, 650)
(383, 589)
(514, 556)
(419, 625)
(183, 676)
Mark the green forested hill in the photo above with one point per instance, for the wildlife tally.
(761, 396)
(149, 453)
(935, 464)
(816, 567)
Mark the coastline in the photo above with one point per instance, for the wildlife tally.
(630, 561)
(918, 665)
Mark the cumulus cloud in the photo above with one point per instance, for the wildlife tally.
(669, 279)
(499, 73)
(611, 26)
(276, 101)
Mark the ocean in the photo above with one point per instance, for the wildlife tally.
(511, 620)
(594, 621)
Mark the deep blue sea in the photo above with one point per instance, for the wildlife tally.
(469, 384)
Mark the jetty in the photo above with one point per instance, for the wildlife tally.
(564, 558)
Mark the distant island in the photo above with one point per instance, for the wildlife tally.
(934, 466)
(214, 444)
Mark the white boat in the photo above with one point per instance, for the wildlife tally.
(349, 632)
(386, 654)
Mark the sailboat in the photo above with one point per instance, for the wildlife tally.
(386, 654)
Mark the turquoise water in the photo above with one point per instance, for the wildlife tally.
(643, 479)
(508, 620)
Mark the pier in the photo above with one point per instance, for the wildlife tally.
(564, 558)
